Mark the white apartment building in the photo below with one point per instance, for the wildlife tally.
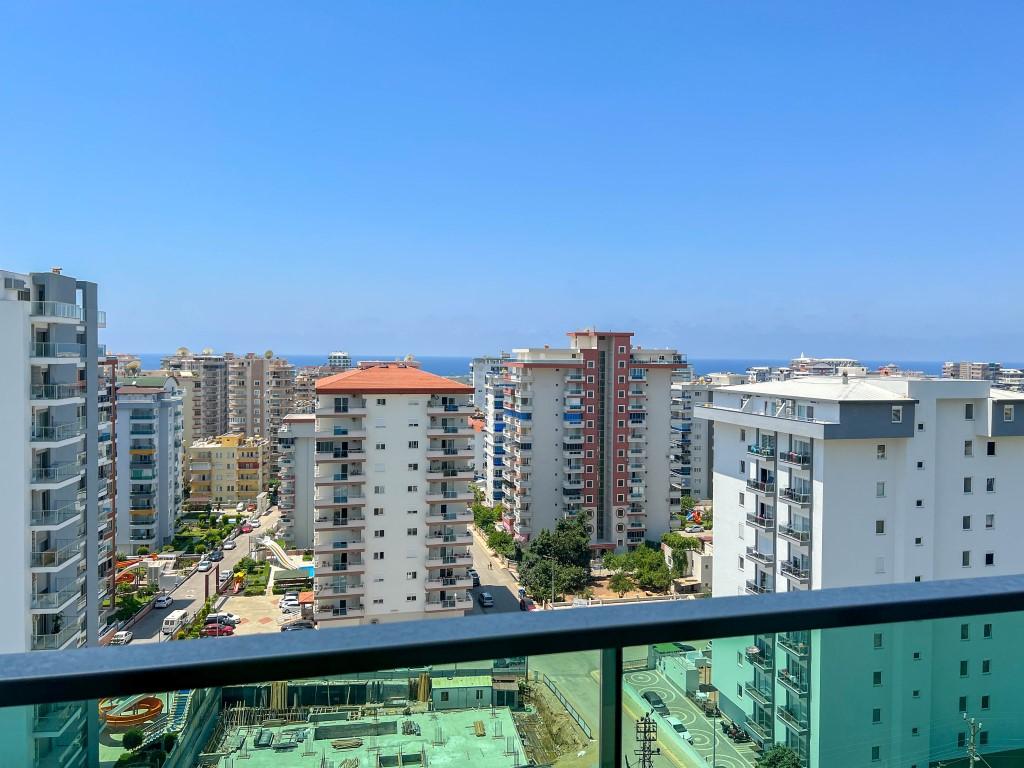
(586, 430)
(1011, 378)
(209, 387)
(392, 473)
(830, 482)
(493, 461)
(339, 362)
(56, 460)
(296, 441)
(974, 371)
(150, 464)
(692, 439)
(479, 369)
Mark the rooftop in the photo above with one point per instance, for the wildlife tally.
(390, 378)
(878, 389)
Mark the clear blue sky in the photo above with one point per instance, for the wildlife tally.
(735, 179)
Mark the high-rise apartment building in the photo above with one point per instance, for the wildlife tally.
(839, 481)
(149, 434)
(587, 431)
(209, 388)
(56, 464)
(494, 437)
(972, 371)
(392, 473)
(692, 439)
(261, 390)
(1011, 378)
(339, 362)
(227, 470)
(479, 369)
(296, 441)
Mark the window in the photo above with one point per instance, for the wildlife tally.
(1007, 413)
(378, 555)
(968, 447)
(743, 498)
(444, 695)
(380, 446)
(743, 467)
(411, 511)
(378, 533)
(880, 489)
(969, 411)
(622, 409)
(916, 656)
(915, 694)
(378, 489)
(621, 379)
(410, 598)
(877, 640)
(743, 435)
(414, 443)
(876, 678)
(378, 511)
(963, 668)
(381, 401)
(990, 520)
(985, 701)
(479, 693)
(965, 558)
(983, 738)
(741, 563)
(414, 423)
(876, 754)
(986, 666)
(991, 448)
(962, 704)
(590, 379)
(920, 426)
(897, 414)
(914, 731)
(961, 740)
(412, 488)
(920, 465)
(968, 484)
(410, 575)
(622, 350)
(880, 451)
(917, 578)
(413, 467)
(411, 531)
(965, 631)
(990, 558)
(876, 715)
(919, 503)
(378, 601)
(986, 631)
(739, 690)
(965, 522)
(591, 364)
(879, 527)
(918, 541)
(990, 485)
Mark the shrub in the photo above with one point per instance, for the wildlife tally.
(169, 739)
(142, 551)
(200, 549)
(132, 739)
(167, 548)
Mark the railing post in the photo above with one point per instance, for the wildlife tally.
(609, 727)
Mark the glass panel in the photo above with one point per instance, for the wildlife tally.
(503, 713)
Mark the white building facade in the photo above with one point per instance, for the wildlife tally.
(392, 473)
(296, 440)
(831, 482)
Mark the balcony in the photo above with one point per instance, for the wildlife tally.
(436, 407)
(56, 600)
(449, 582)
(338, 588)
(795, 572)
(435, 497)
(55, 394)
(340, 545)
(761, 486)
(793, 682)
(459, 602)
(440, 560)
(449, 430)
(327, 522)
(589, 644)
(801, 460)
(765, 523)
(799, 535)
(795, 645)
(762, 451)
(435, 540)
(461, 515)
(460, 452)
(761, 694)
(758, 588)
(760, 657)
(796, 497)
(57, 311)
(55, 641)
(57, 474)
(328, 567)
(765, 558)
(53, 518)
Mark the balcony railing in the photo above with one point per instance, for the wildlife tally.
(57, 391)
(57, 309)
(797, 497)
(794, 571)
(598, 635)
(55, 349)
(763, 451)
(57, 473)
(764, 522)
(802, 460)
(761, 486)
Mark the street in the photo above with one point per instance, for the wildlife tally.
(191, 593)
(496, 580)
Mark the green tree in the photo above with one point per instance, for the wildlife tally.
(779, 756)
(687, 504)
(132, 739)
(200, 549)
(707, 519)
(568, 579)
(502, 542)
(143, 550)
(645, 565)
(620, 583)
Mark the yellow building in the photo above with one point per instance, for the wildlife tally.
(226, 470)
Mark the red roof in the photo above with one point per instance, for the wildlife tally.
(392, 378)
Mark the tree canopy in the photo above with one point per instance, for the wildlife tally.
(779, 756)
(567, 550)
(645, 565)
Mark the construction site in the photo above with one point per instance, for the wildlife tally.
(486, 718)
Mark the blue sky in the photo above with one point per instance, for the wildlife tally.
(734, 179)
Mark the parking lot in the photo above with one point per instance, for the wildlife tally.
(259, 614)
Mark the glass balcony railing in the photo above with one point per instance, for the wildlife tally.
(56, 349)
(572, 696)
(57, 309)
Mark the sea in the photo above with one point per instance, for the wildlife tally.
(459, 365)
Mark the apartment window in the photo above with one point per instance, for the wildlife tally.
(969, 411)
(378, 489)
(876, 715)
(986, 631)
(918, 541)
(743, 498)
(621, 423)
(590, 409)
(968, 447)
(743, 467)
(965, 522)
(380, 446)
(414, 443)
(622, 409)
(897, 414)
(879, 527)
(880, 489)
(743, 435)
(378, 600)
(876, 678)
(444, 695)
(590, 454)
(920, 426)
(413, 467)
(382, 401)
(622, 393)
(590, 499)
(411, 512)
(917, 578)
(739, 690)
(378, 555)
(877, 640)
(620, 467)
(591, 364)
(965, 558)
(622, 350)
(990, 485)
(962, 704)
(410, 598)
(876, 754)
(920, 465)
(740, 564)
(590, 379)
(990, 520)
(411, 531)
(414, 423)
(991, 448)
(961, 740)
(983, 738)
(990, 558)
(914, 731)
(963, 668)
(915, 694)
(621, 379)
(986, 666)
(968, 484)
(880, 451)
(1007, 413)
(622, 363)
(410, 575)
(378, 533)
(412, 488)
(985, 702)
(919, 503)
(590, 424)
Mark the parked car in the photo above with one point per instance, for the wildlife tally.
(288, 602)
(222, 617)
(121, 638)
(204, 566)
(294, 626)
(254, 523)
(216, 556)
(486, 600)
(224, 576)
(246, 528)
(229, 544)
(216, 630)
(472, 573)
(694, 529)
(677, 725)
(656, 702)
(163, 601)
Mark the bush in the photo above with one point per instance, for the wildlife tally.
(167, 548)
(132, 739)
(200, 549)
(168, 741)
(142, 551)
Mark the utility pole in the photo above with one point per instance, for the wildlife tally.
(973, 727)
(646, 735)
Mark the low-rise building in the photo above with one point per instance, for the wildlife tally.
(227, 470)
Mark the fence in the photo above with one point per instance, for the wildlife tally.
(568, 707)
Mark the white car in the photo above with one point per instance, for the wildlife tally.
(121, 638)
(204, 566)
(254, 523)
(229, 544)
(288, 602)
(677, 725)
(163, 601)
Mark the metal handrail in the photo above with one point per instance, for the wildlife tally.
(93, 673)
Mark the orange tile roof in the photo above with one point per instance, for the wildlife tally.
(390, 378)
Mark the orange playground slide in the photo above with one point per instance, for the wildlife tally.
(139, 711)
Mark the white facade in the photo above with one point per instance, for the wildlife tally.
(480, 368)
(826, 482)
(494, 438)
(586, 430)
(296, 441)
(150, 471)
(393, 467)
(209, 386)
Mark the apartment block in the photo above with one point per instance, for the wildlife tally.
(56, 463)
(479, 369)
(692, 439)
(391, 478)
(150, 466)
(587, 431)
(227, 470)
(296, 441)
(261, 391)
(209, 389)
(972, 371)
(494, 437)
(839, 481)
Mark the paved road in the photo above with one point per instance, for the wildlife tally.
(496, 580)
(191, 593)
